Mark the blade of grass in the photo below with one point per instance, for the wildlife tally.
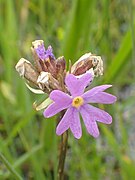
(78, 25)
(25, 157)
(120, 59)
(8, 29)
(10, 167)
(22, 123)
(130, 3)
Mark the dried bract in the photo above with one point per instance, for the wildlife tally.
(88, 62)
(27, 71)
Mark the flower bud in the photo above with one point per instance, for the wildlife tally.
(60, 64)
(54, 83)
(38, 54)
(87, 62)
(27, 71)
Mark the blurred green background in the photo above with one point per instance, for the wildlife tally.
(73, 27)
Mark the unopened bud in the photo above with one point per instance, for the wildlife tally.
(60, 64)
(86, 62)
(54, 83)
(27, 71)
(82, 65)
(37, 54)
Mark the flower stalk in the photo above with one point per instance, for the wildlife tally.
(62, 155)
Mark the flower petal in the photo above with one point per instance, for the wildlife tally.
(89, 121)
(97, 114)
(40, 50)
(95, 90)
(49, 52)
(77, 86)
(64, 122)
(75, 124)
(54, 108)
(60, 97)
(101, 97)
(70, 120)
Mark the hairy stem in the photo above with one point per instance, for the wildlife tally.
(62, 155)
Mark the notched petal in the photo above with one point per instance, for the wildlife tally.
(64, 122)
(75, 124)
(102, 98)
(60, 97)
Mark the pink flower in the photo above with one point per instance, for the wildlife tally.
(78, 103)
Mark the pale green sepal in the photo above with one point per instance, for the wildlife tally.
(43, 105)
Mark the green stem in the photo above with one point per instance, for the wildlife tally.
(62, 155)
(9, 167)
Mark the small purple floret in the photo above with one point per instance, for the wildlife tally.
(90, 114)
(49, 53)
(40, 50)
(44, 54)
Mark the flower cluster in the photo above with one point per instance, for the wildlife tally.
(66, 89)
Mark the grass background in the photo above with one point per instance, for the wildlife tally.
(28, 143)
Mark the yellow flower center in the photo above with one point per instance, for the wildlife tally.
(77, 101)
